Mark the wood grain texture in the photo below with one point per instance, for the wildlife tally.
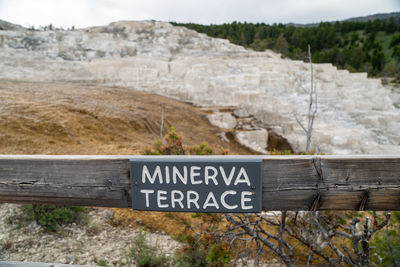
(289, 182)
(66, 181)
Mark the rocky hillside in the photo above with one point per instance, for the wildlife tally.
(355, 114)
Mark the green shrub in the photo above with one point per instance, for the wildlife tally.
(192, 258)
(50, 217)
(172, 144)
(202, 149)
(219, 254)
(386, 244)
(102, 263)
(145, 255)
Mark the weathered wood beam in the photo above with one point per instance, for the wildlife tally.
(360, 182)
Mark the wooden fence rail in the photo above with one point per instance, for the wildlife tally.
(360, 182)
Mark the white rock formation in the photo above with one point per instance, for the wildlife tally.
(241, 112)
(355, 114)
(256, 140)
(222, 120)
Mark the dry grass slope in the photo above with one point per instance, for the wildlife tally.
(54, 118)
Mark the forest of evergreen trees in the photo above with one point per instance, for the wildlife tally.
(372, 46)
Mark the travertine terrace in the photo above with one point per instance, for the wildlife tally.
(355, 114)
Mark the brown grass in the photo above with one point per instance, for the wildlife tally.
(48, 118)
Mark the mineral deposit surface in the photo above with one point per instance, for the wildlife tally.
(355, 114)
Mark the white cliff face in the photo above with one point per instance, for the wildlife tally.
(355, 114)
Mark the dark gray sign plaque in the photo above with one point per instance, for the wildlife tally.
(196, 184)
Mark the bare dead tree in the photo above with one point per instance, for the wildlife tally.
(322, 234)
(162, 137)
(162, 124)
(252, 229)
(312, 105)
(328, 227)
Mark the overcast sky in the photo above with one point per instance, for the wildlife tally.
(84, 13)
